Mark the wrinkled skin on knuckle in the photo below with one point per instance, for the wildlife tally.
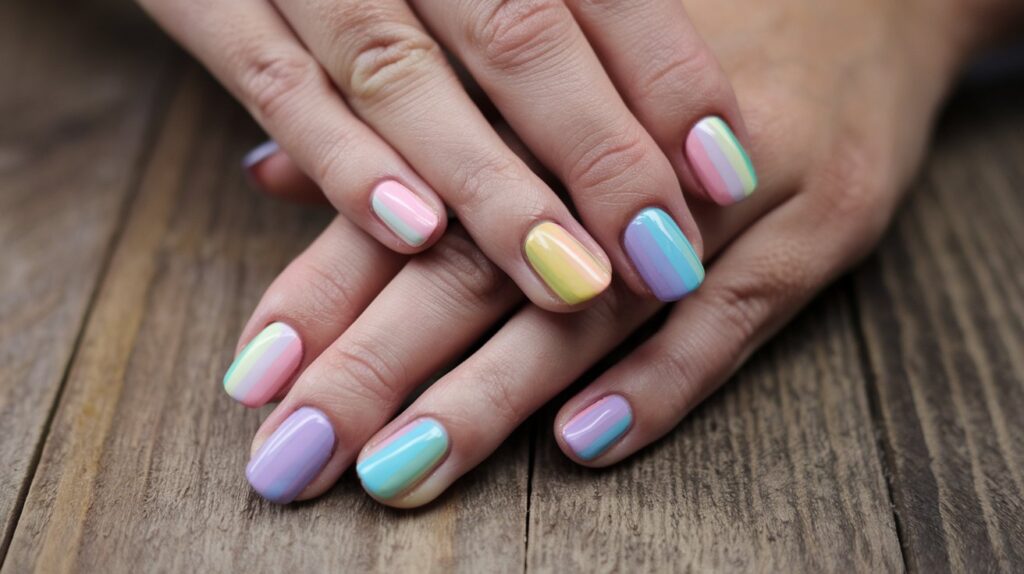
(389, 61)
(510, 34)
(271, 79)
(466, 281)
(368, 372)
(604, 164)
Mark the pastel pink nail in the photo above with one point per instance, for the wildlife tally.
(264, 366)
(596, 428)
(720, 162)
(408, 216)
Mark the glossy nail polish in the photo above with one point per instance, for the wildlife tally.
(565, 265)
(256, 156)
(405, 214)
(662, 255)
(404, 459)
(292, 457)
(596, 428)
(720, 162)
(264, 365)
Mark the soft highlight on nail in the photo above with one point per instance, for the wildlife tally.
(259, 153)
(662, 255)
(292, 457)
(596, 428)
(264, 366)
(564, 264)
(403, 212)
(720, 162)
(404, 459)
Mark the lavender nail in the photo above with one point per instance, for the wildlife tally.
(292, 457)
(596, 428)
(258, 154)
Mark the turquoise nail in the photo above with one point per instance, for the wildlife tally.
(404, 459)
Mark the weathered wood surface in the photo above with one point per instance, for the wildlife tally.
(881, 431)
(74, 105)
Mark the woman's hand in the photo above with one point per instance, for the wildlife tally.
(620, 100)
(855, 125)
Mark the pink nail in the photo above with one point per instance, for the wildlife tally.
(408, 216)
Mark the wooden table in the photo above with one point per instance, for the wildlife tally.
(881, 431)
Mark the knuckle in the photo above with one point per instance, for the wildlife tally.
(388, 60)
(269, 80)
(498, 395)
(750, 299)
(366, 371)
(467, 279)
(852, 194)
(473, 176)
(602, 167)
(511, 33)
(681, 69)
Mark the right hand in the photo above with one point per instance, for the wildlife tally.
(621, 100)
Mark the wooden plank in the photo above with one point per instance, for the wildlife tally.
(778, 471)
(75, 103)
(144, 465)
(943, 312)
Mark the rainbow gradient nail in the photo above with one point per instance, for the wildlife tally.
(264, 365)
(572, 272)
(663, 255)
(405, 214)
(292, 457)
(404, 458)
(596, 428)
(721, 163)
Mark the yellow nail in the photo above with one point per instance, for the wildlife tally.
(572, 272)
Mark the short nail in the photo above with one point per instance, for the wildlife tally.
(405, 214)
(596, 428)
(257, 154)
(721, 163)
(264, 365)
(404, 459)
(565, 265)
(292, 457)
(663, 255)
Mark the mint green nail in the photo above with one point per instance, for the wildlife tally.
(403, 459)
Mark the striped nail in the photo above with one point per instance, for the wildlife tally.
(255, 157)
(597, 427)
(403, 459)
(408, 216)
(292, 457)
(572, 272)
(721, 163)
(663, 255)
(264, 365)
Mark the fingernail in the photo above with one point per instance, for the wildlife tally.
(255, 157)
(408, 216)
(568, 268)
(292, 457)
(721, 163)
(264, 365)
(596, 428)
(663, 255)
(404, 459)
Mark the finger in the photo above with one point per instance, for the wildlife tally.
(306, 308)
(396, 78)
(674, 84)
(538, 68)
(270, 170)
(754, 287)
(466, 415)
(431, 312)
(257, 57)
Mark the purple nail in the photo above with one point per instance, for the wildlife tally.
(292, 457)
(663, 255)
(258, 154)
(596, 428)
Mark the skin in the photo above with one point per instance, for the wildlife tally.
(360, 92)
(856, 112)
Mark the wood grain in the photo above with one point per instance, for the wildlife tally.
(144, 465)
(75, 105)
(942, 305)
(777, 472)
